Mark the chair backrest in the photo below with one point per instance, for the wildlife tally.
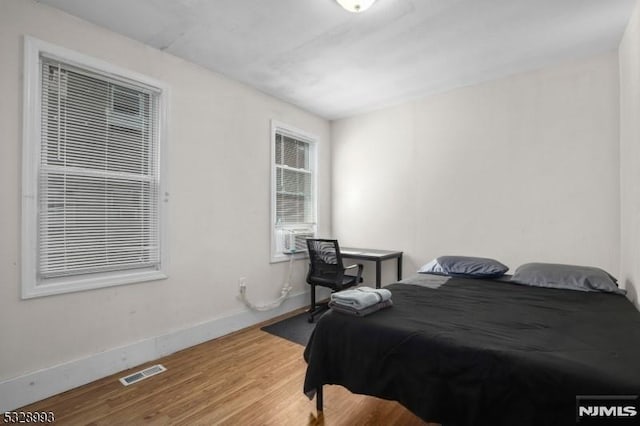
(324, 257)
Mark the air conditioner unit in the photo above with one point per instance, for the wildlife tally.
(126, 108)
(295, 240)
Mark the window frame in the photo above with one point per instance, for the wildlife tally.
(278, 127)
(31, 284)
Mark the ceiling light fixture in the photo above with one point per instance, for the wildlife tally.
(356, 6)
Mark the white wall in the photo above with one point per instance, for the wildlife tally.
(520, 169)
(219, 163)
(629, 53)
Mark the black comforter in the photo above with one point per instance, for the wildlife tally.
(476, 352)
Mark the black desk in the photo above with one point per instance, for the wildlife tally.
(374, 255)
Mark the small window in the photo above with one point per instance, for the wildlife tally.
(93, 184)
(293, 191)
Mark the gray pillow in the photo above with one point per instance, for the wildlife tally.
(571, 277)
(477, 267)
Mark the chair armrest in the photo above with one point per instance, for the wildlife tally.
(359, 273)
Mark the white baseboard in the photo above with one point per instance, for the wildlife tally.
(20, 391)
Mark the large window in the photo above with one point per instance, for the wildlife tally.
(293, 190)
(92, 182)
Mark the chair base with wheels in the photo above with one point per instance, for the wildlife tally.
(327, 270)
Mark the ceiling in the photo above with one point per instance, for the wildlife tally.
(316, 55)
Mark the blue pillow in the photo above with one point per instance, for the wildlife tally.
(465, 266)
(571, 277)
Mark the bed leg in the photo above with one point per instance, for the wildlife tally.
(319, 400)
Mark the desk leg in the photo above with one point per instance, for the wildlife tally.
(399, 267)
(378, 273)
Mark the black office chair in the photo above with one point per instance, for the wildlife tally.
(327, 270)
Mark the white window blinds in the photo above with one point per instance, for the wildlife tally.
(294, 182)
(98, 174)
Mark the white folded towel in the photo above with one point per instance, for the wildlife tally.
(361, 297)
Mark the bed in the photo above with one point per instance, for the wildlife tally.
(464, 351)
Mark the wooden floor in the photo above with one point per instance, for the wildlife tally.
(247, 378)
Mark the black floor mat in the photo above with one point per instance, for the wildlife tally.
(295, 329)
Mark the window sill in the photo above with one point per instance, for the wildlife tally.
(279, 258)
(73, 284)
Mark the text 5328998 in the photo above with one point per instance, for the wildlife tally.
(11, 417)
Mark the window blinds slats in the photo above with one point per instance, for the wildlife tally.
(294, 197)
(99, 174)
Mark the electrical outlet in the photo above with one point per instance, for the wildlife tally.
(242, 282)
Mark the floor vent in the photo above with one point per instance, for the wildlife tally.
(142, 374)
